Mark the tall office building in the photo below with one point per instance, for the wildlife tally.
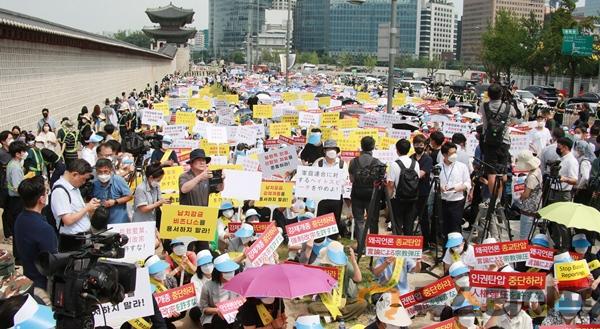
(478, 14)
(438, 30)
(591, 8)
(230, 21)
(283, 4)
(337, 26)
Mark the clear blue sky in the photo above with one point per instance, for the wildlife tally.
(103, 15)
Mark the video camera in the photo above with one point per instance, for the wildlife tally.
(377, 172)
(215, 181)
(554, 168)
(79, 280)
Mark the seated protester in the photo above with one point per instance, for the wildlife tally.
(222, 235)
(334, 255)
(567, 310)
(181, 260)
(463, 312)
(310, 250)
(265, 313)
(148, 196)
(24, 312)
(242, 238)
(508, 315)
(581, 246)
(458, 249)
(308, 322)
(552, 284)
(393, 272)
(213, 293)
(203, 275)
(459, 272)
(163, 155)
(252, 216)
(390, 312)
(33, 234)
(112, 191)
(160, 282)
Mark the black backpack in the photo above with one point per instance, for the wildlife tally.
(408, 182)
(496, 124)
(362, 187)
(133, 143)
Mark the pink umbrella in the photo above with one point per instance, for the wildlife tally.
(281, 280)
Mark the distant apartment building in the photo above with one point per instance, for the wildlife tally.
(438, 30)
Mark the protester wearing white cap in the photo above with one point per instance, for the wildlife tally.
(511, 315)
(387, 274)
(181, 261)
(252, 216)
(390, 312)
(157, 269)
(163, 153)
(334, 255)
(530, 199)
(567, 311)
(213, 292)
(541, 240)
(88, 153)
(458, 249)
(308, 322)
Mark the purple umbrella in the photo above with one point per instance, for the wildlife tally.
(281, 280)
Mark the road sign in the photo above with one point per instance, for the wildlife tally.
(566, 32)
(577, 45)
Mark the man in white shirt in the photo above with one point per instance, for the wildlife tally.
(539, 137)
(404, 207)
(455, 180)
(549, 154)
(72, 214)
(88, 153)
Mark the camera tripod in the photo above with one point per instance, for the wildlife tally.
(372, 222)
(551, 183)
(436, 222)
(491, 209)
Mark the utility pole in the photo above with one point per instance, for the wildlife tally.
(287, 44)
(391, 59)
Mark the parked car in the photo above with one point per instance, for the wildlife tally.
(461, 85)
(585, 98)
(548, 94)
(526, 97)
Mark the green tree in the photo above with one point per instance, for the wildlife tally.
(313, 58)
(535, 56)
(266, 57)
(432, 65)
(370, 62)
(461, 67)
(345, 60)
(238, 57)
(137, 38)
(503, 44)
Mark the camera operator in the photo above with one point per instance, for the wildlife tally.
(549, 154)
(568, 174)
(194, 186)
(33, 234)
(68, 207)
(455, 179)
(496, 116)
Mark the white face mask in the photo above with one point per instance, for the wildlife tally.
(467, 321)
(207, 268)
(228, 213)
(457, 249)
(541, 124)
(267, 300)
(452, 158)
(577, 136)
(228, 275)
(179, 250)
(331, 154)
(104, 178)
(155, 184)
(581, 250)
(463, 282)
(161, 276)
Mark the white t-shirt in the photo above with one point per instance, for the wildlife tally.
(467, 257)
(89, 155)
(539, 139)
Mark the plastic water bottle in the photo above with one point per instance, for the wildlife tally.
(342, 325)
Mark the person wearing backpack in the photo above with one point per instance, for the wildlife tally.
(403, 183)
(496, 116)
(359, 170)
(332, 160)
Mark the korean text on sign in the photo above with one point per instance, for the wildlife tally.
(176, 300)
(278, 194)
(265, 246)
(311, 229)
(394, 245)
(192, 221)
(277, 162)
(433, 294)
(540, 257)
(511, 286)
(509, 252)
(319, 183)
(229, 308)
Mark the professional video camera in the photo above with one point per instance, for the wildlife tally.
(554, 168)
(377, 172)
(215, 181)
(79, 281)
(436, 171)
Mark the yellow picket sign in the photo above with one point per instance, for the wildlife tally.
(214, 149)
(571, 271)
(193, 221)
(262, 111)
(301, 108)
(289, 96)
(349, 144)
(326, 133)
(308, 96)
(365, 132)
(363, 97)
(173, 196)
(225, 166)
(215, 200)
(199, 104)
(204, 91)
(347, 123)
(325, 101)
(330, 119)
(385, 142)
(280, 129)
(277, 194)
(292, 119)
(170, 181)
(399, 100)
(161, 107)
(186, 118)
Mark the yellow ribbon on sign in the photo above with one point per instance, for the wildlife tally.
(455, 256)
(140, 323)
(334, 301)
(327, 300)
(265, 316)
(392, 282)
(594, 264)
(166, 156)
(160, 287)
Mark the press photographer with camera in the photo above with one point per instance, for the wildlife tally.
(196, 184)
(68, 207)
(112, 191)
(549, 154)
(33, 234)
(496, 116)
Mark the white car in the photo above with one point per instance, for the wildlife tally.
(526, 97)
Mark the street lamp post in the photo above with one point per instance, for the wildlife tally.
(287, 44)
(392, 52)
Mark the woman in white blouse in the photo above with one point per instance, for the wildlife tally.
(49, 139)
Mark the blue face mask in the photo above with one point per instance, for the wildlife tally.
(240, 153)
(314, 138)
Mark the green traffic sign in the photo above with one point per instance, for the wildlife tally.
(577, 45)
